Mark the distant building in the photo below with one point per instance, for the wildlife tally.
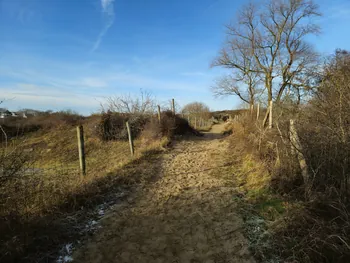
(4, 113)
(25, 113)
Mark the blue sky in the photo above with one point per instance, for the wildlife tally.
(60, 54)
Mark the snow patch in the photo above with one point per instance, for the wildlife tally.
(66, 254)
(101, 212)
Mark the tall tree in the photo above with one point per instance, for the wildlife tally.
(273, 35)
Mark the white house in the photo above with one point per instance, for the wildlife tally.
(4, 113)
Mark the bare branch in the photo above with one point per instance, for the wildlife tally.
(143, 104)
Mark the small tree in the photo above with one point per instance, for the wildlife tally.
(197, 109)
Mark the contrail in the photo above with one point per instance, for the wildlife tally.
(108, 12)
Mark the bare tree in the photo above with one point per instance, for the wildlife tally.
(142, 104)
(273, 36)
(197, 109)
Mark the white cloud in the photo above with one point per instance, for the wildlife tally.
(93, 83)
(63, 84)
(106, 80)
(42, 97)
(108, 12)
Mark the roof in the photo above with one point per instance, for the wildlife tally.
(2, 110)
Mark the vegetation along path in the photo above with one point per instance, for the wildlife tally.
(186, 215)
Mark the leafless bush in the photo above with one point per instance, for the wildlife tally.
(144, 104)
(112, 125)
(169, 126)
(117, 110)
(175, 125)
(197, 109)
(13, 162)
(325, 128)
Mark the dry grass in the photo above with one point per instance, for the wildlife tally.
(15, 127)
(47, 190)
(305, 214)
(296, 221)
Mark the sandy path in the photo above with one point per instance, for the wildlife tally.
(217, 128)
(187, 215)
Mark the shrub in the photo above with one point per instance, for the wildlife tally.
(171, 125)
(152, 131)
(13, 163)
(112, 125)
(143, 104)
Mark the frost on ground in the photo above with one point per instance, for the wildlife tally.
(186, 215)
(66, 252)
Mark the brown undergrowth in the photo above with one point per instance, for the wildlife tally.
(45, 201)
(288, 220)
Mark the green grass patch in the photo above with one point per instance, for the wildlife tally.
(266, 204)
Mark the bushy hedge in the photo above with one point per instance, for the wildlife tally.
(112, 126)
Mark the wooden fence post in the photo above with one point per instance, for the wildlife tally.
(258, 111)
(131, 143)
(80, 135)
(173, 106)
(195, 122)
(158, 113)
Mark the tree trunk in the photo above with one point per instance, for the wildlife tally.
(266, 116)
(268, 83)
(251, 109)
(270, 114)
(298, 150)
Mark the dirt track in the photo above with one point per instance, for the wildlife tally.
(187, 215)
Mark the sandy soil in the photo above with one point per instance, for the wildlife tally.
(186, 215)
